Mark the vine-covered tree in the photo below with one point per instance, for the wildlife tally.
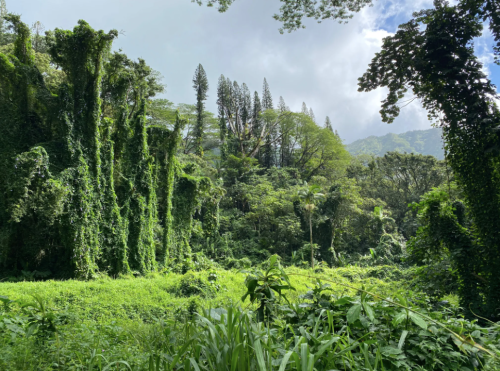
(437, 63)
(82, 167)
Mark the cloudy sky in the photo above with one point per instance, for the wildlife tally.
(319, 65)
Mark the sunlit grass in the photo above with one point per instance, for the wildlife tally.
(154, 296)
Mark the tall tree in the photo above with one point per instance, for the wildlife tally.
(256, 111)
(328, 124)
(257, 119)
(269, 148)
(222, 99)
(304, 110)
(200, 85)
(246, 137)
(433, 55)
(38, 28)
(282, 105)
(246, 106)
(267, 99)
(311, 115)
(284, 135)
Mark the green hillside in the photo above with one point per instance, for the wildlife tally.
(426, 142)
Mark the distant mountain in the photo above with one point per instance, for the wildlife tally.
(425, 142)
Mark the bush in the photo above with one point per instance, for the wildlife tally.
(231, 263)
(437, 279)
(191, 285)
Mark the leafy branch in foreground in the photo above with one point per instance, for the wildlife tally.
(292, 12)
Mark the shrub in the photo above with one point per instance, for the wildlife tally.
(191, 285)
(231, 263)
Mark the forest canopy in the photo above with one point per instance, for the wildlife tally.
(101, 176)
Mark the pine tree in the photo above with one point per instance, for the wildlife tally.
(328, 124)
(285, 136)
(311, 115)
(282, 105)
(200, 85)
(236, 94)
(305, 111)
(267, 103)
(256, 110)
(267, 99)
(221, 102)
(245, 104)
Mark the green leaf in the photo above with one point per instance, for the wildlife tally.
(419, 321)
(400, 317)
(272, 260)
(402, 339)
(114, 364)
(194, 363)
(390, 351)
(304, 355)
(353, 313)
(284, 361)
(369, 311)
(343, 301)
(324, 347)
(260, 356)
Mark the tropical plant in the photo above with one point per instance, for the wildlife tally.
(262, 286)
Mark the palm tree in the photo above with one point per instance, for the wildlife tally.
(310, 197)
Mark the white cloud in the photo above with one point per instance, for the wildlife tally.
(319, 65)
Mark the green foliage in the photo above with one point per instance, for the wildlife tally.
(169, 182)
(262, 287)
(398, 180)
(80, 174)
(440, 55)
(243, 263)
(191, 285)
(446, 237)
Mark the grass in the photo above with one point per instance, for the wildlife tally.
(154, 323)
(145, 298)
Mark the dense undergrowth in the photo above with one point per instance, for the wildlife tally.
(197, 321)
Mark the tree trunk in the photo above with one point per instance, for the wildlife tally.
(332, 243)
(311, 234)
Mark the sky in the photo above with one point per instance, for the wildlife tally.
(318, 65)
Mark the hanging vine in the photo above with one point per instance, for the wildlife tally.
(80, 184)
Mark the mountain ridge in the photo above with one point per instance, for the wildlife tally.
(425, 142)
